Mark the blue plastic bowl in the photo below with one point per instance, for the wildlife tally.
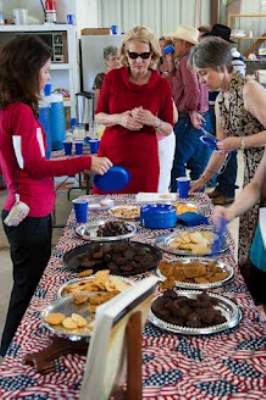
(158, 216)
(116, 179)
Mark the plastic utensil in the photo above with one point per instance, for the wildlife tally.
(209, 140)
(219, 231)
(116, 179)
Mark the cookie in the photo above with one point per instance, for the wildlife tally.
(69, 323)
(80, 321)
(54, 318)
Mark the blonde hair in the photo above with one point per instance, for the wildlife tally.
(144, 35)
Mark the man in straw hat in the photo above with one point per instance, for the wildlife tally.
(191, 99)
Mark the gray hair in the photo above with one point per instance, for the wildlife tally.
(211, 52)
(110, 51)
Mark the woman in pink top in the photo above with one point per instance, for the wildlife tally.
(24, 70)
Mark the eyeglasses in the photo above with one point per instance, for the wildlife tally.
(145, 55)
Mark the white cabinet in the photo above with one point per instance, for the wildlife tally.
(64, 74)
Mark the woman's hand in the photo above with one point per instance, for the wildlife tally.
(144, 117)
(229, 143)
(100, 165)
(196, 119)
(197, 185)
(128, 121)
(222, 213)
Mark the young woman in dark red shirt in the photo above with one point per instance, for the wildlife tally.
(24, 70)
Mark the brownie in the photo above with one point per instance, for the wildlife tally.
(198, 312)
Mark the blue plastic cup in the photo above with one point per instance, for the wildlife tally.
(70, 19)
(81, 210)
(73, 122)
(47, 90)
(183, 186)
(114, 29)
(68, 148)
(94, 145)
(79, 148)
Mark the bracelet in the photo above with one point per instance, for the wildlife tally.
(242, 144)
(159, 124)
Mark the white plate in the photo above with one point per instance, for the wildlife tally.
(156, 197)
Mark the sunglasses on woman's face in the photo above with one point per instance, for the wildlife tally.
(145, 55)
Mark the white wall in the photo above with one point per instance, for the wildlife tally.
(162, 16)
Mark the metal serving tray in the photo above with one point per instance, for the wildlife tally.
(61, 294)
(229, 309)
(88, 231)
(199, 286)
(112, 211)
(162, 242)
(66, 306)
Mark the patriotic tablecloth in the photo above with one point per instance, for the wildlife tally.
(230, 365)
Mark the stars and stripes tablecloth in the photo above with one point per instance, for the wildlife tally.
(229, 365)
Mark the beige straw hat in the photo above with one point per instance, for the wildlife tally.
(187, 33)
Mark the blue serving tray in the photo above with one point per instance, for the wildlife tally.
(116, 179)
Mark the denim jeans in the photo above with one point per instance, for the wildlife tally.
(30, 248)
(227, 179)
(190, 152)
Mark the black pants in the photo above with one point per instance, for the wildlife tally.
(255, 280)
(30, 250)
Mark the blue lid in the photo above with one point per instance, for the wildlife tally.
(209, 140)
(169, 49)
(116, 179)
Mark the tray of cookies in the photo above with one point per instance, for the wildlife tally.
(127, 212)
(190, 242)
(193, 312)
(123, 258)
(73, 314)
(194, 273)
(106, 230)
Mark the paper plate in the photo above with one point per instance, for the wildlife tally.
(116, 179)
(210, 141)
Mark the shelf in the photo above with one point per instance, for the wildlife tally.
(35, 27)
(249, 38)
(247, 15)
(57, 66)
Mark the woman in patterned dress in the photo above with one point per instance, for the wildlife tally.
(241, 121)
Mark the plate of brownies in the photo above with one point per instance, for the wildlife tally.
(194, 312)
(106, 230)
(123, 258)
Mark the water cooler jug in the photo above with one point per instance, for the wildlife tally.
(57, 121)
(85, 108)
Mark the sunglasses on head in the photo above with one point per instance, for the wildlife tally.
(145, 55)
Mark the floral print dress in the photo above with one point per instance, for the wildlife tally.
(236, 121)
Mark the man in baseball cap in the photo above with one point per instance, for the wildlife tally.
(191, 99)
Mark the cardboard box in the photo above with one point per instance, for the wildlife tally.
(96, 31)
